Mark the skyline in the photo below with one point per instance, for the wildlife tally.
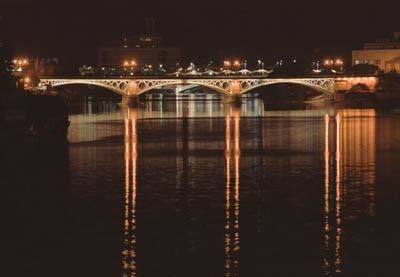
(73, 31)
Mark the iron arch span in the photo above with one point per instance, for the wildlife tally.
(324, 86)
(222, 86)
(118, 86)
(226, 86)
(136, 87)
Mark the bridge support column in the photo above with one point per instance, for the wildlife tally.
(234, 97)
(130, 100)
(131, 97)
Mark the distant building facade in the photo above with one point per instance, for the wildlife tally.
(3, 50)
(384, 53)
(140, 50)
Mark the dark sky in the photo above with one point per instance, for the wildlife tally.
(74, 29)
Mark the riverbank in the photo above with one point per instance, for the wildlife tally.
(379, 96)
(25, 116)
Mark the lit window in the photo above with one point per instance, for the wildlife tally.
(397, 67)
(378, 61)
(388, 67)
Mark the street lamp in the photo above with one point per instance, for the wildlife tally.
(328, 64)
(227, 64)
(339, 64)
(260, 64)
(209, 66)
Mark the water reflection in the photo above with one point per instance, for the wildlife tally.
(332, 197)
(275, 162)
(232, 231)
(129, 251)
(349, 156)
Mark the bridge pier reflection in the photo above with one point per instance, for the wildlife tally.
(130, 139)
(232, 231)
(130, 100)
(232, 99)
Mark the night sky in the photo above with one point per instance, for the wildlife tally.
(72, 30)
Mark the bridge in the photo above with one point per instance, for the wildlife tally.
(230, 86)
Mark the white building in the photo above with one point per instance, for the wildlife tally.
(385, 53)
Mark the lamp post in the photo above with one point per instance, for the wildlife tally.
(339, 64)
(227, 64)
(237, 64)
(328, 64)
(129, 66)
(209, 66)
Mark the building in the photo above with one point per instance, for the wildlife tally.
(139, 51)
(384, 53)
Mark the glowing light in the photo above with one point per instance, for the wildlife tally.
(133, 63)
(126, 63)
(25, 62)
(237, 63)
(27, 80)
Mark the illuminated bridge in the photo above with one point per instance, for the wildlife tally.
(230, 86)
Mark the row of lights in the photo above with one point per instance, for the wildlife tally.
(129, 63)
(357, 79)
(133, 64)
(338, 62)
(228, 63)
(21, 62)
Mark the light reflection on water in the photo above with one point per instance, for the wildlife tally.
(232, 231)
(129, 251)
(331, 149)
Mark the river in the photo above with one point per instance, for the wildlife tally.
(199, 188)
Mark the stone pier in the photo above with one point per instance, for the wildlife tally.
(130, 100)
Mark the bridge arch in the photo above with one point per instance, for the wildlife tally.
(117, 86)
(226, 86)
(222, 86)
(325, 85)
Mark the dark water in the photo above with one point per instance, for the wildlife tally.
(198, 188)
